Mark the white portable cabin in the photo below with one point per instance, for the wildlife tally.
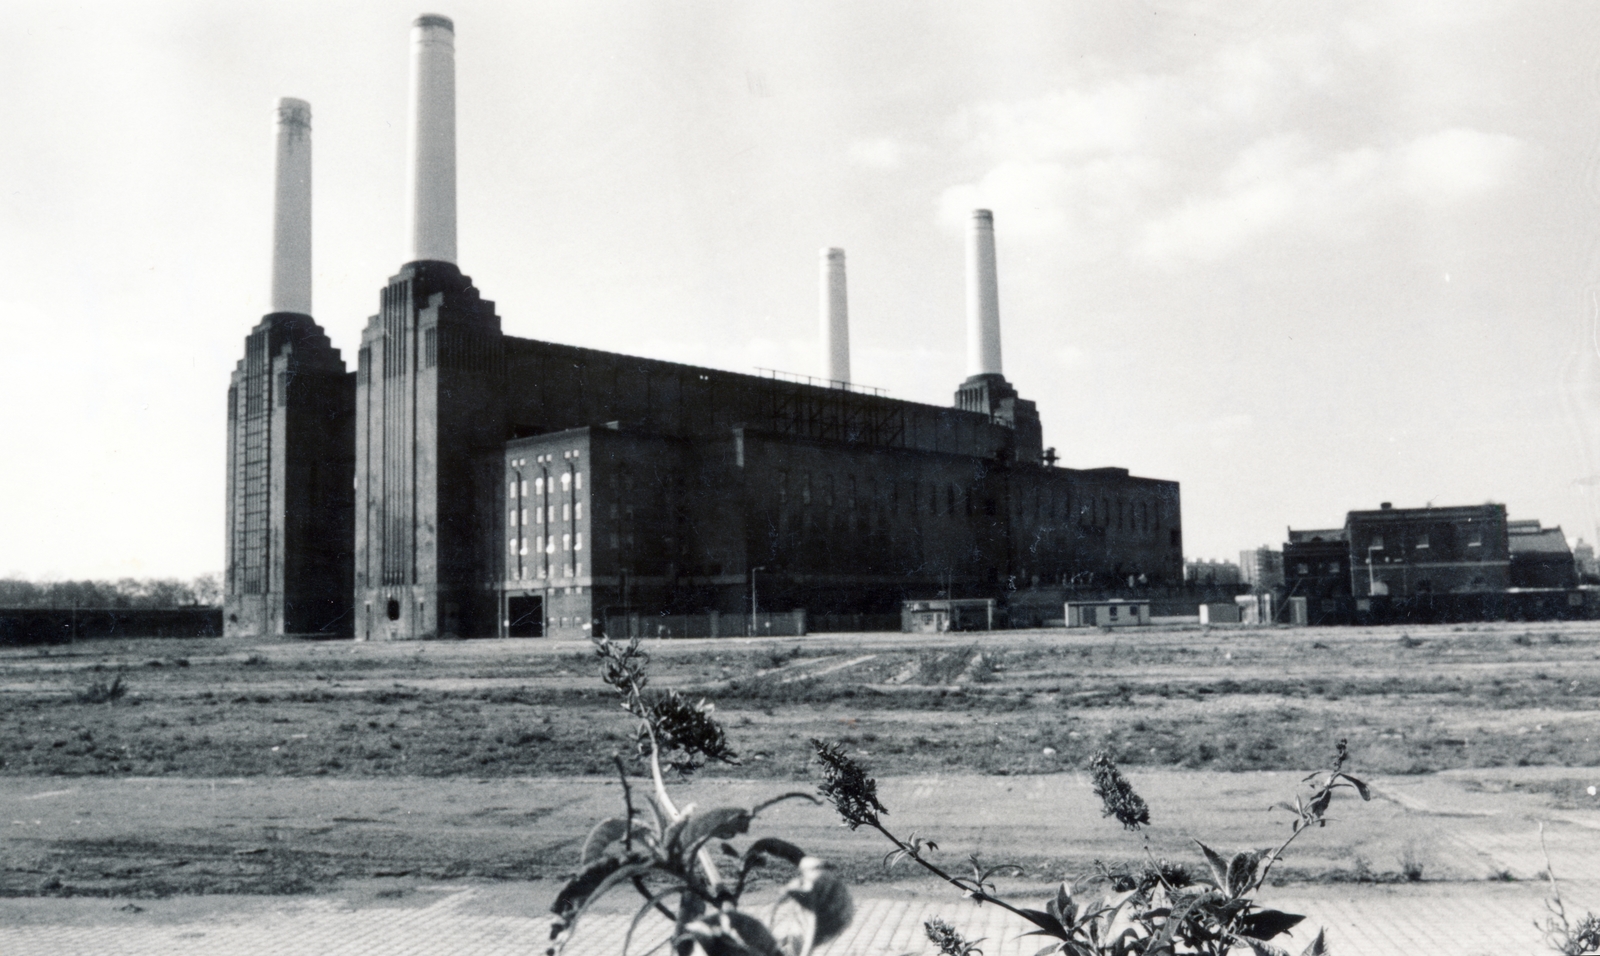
(1111, 613)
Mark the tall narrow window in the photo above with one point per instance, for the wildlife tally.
(511, 517)
(577, 480)
(577, 541)
(577, 511)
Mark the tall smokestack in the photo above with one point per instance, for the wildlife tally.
(983, 297)
(431, 138)
(291, 210)
(835, 318)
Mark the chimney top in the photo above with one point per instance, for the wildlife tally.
(1386, 505)
(983, 214)
(434, 20)
(832, 253)
(293, 112)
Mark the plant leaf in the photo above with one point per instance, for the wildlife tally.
(578, 889)
(605, 833)
(1219, 866)
(1242, 873)
(1360, 785)
(721, 823)
(824, 898)
(1318, 947)
(772, 846)
(733, 933)
(1265, 924)
(1045, 922)
(1260, 948)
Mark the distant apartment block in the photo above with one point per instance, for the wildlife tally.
(1261, 568)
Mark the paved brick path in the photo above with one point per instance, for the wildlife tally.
(1472, 919)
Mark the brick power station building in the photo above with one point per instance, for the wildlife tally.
(462, 482)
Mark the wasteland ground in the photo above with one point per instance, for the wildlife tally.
(228, 767)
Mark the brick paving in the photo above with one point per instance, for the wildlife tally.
(1476, 919)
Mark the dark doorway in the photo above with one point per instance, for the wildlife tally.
(526, 616)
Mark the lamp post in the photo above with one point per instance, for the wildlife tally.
(753, 607)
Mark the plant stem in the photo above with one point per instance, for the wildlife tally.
(976, 893)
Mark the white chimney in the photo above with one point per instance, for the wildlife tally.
(291, 210)
(983, 297)
(431, 139)
(835, 318)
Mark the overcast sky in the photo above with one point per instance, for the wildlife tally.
(1301, 258)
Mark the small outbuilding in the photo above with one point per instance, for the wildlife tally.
(947, 614)
(1108, 613)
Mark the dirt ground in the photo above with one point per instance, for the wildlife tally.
(296, 767)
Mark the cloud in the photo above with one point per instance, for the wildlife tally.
(1271, 136)
(1456, 164)
(884, 153)
(1073, 202)
(1319, 195)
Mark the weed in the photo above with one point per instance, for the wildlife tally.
(667, 856)
(1560, 932)
(1502, 875)
(944, 667)
(1413, 858)
(950, 942)
(1152, 914)
(101, 692)
(255, 660)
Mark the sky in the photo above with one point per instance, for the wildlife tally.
(1300, 258)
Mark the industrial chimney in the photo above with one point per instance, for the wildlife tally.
(835, 319)
(291, 210)
(983, 297)
(431, 138)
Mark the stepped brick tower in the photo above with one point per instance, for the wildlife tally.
(290, 437)
(429, 421)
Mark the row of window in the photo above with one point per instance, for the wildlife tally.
(572, 570)
(1474, 540)
(569, 512)
(570, 480)
(933, 498)
(569, 542)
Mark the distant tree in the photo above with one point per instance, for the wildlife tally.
(208, 589)
(123, 593)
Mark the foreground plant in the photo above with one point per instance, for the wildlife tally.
(670, 855)
(1161, 912)
(1561, 932)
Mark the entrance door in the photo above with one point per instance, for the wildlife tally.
(526, 615)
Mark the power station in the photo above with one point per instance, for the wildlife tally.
(463, 483)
